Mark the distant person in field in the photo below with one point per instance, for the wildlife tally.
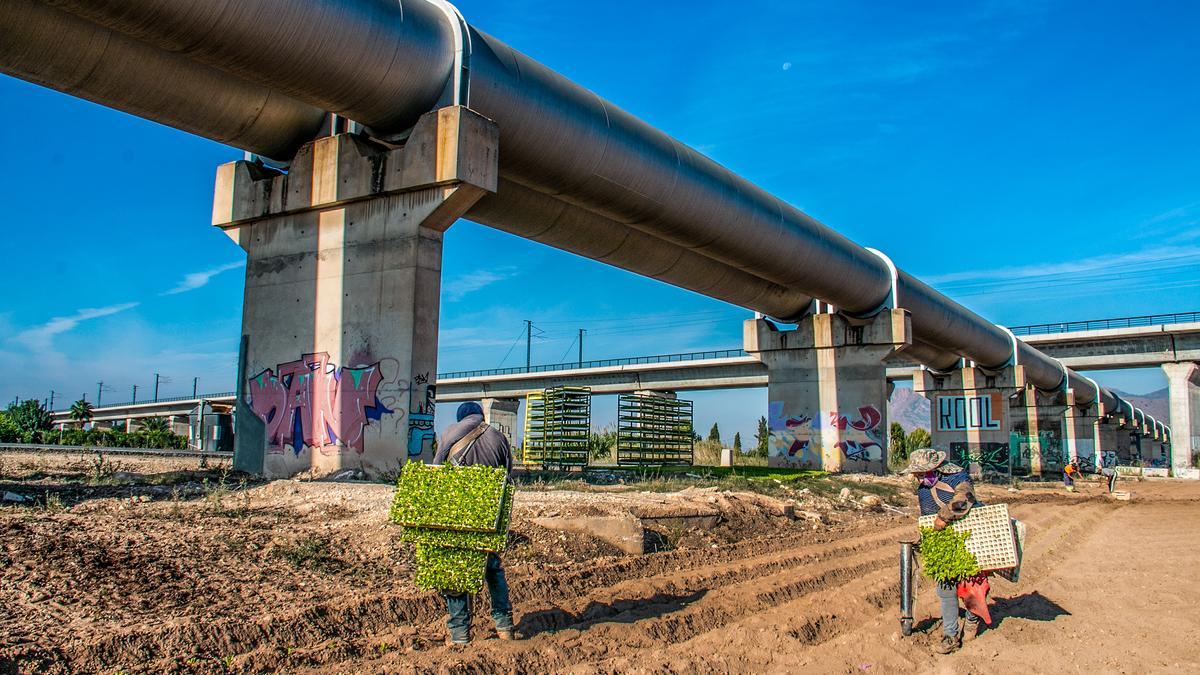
(472, 441)
(944, 489)
(1108, 469)
(1071, 473)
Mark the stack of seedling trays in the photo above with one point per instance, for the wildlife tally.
(995, 539)
(558, 425)
(568, 423)
(653, 431)
(455, 515)
(533, 443)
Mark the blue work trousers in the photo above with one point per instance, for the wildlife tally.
(459, 604)
(948, 595)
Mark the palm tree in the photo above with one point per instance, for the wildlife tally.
(81, 411)
(155, 424)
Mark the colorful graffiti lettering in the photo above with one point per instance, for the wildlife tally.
(869, 418)
(312, 403)
(797, 439)
(866, 449)
(421, 436)
(991, 457)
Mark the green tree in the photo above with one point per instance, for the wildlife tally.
(762, 438)
(601, 444)
(81, 411)
(153, 425)
(9, 432)
(919, 438)
(30, 417)
(714, 434)
(737, 441)
(898, 445)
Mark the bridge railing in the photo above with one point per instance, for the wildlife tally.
(602, 363)
(1102, 324)
(161, 399)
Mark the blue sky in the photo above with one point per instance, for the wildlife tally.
(1035, 160)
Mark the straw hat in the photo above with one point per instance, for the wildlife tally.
(928, 459)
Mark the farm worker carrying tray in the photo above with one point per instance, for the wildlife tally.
(458, 513)
(947, 498)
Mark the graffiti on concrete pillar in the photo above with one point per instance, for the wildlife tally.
(421, 436)
(865, 446)
(960, 413)
(796, 439)
(991, 457)
(310, 402)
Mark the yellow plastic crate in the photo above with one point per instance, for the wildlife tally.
(992, 539)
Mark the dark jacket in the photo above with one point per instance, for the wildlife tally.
(490, 449)
(951, 497)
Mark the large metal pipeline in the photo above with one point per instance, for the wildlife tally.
(383, 63)
(570, 228)
(55, 49)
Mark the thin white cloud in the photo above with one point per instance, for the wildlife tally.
(196, 280)
(469, 283)
(39, 338)
(1187, 211)
(1105, 263)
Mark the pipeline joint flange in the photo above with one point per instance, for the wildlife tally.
(891, 301)
(458, 87)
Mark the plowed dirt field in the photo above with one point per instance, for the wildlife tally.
(306, 577)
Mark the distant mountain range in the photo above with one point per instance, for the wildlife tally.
(911, 409)
(1154, 404)
(908, 408)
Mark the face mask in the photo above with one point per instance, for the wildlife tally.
(929, 479)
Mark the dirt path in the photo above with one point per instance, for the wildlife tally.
(1092, 600)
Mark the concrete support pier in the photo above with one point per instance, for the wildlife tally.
(501, 413)
(1183, 389)
(1037, 427)
(1079, 430)
(827, 388)
(1108, 447)
(343, 275)
(969, 415)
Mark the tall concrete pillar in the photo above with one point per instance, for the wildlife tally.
(1079, 429)
(1037, 423)
(827, 388)
(1108, 446)
(1183, 390)
(343, 273)
(969, 415)
(501, 413)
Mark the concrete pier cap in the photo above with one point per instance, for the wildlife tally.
(827, 388)
(338, 358)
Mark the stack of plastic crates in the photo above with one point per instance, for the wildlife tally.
(568, 426)
(533, 445)
(653, 431)
(558, 427)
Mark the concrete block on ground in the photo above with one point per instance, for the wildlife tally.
(624, 532)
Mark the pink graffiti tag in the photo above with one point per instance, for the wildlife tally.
(869, 418)
(868, 423)
(310, 402)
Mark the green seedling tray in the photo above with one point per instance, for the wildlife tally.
(449, 497)
(475, 541)
(450, 569)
